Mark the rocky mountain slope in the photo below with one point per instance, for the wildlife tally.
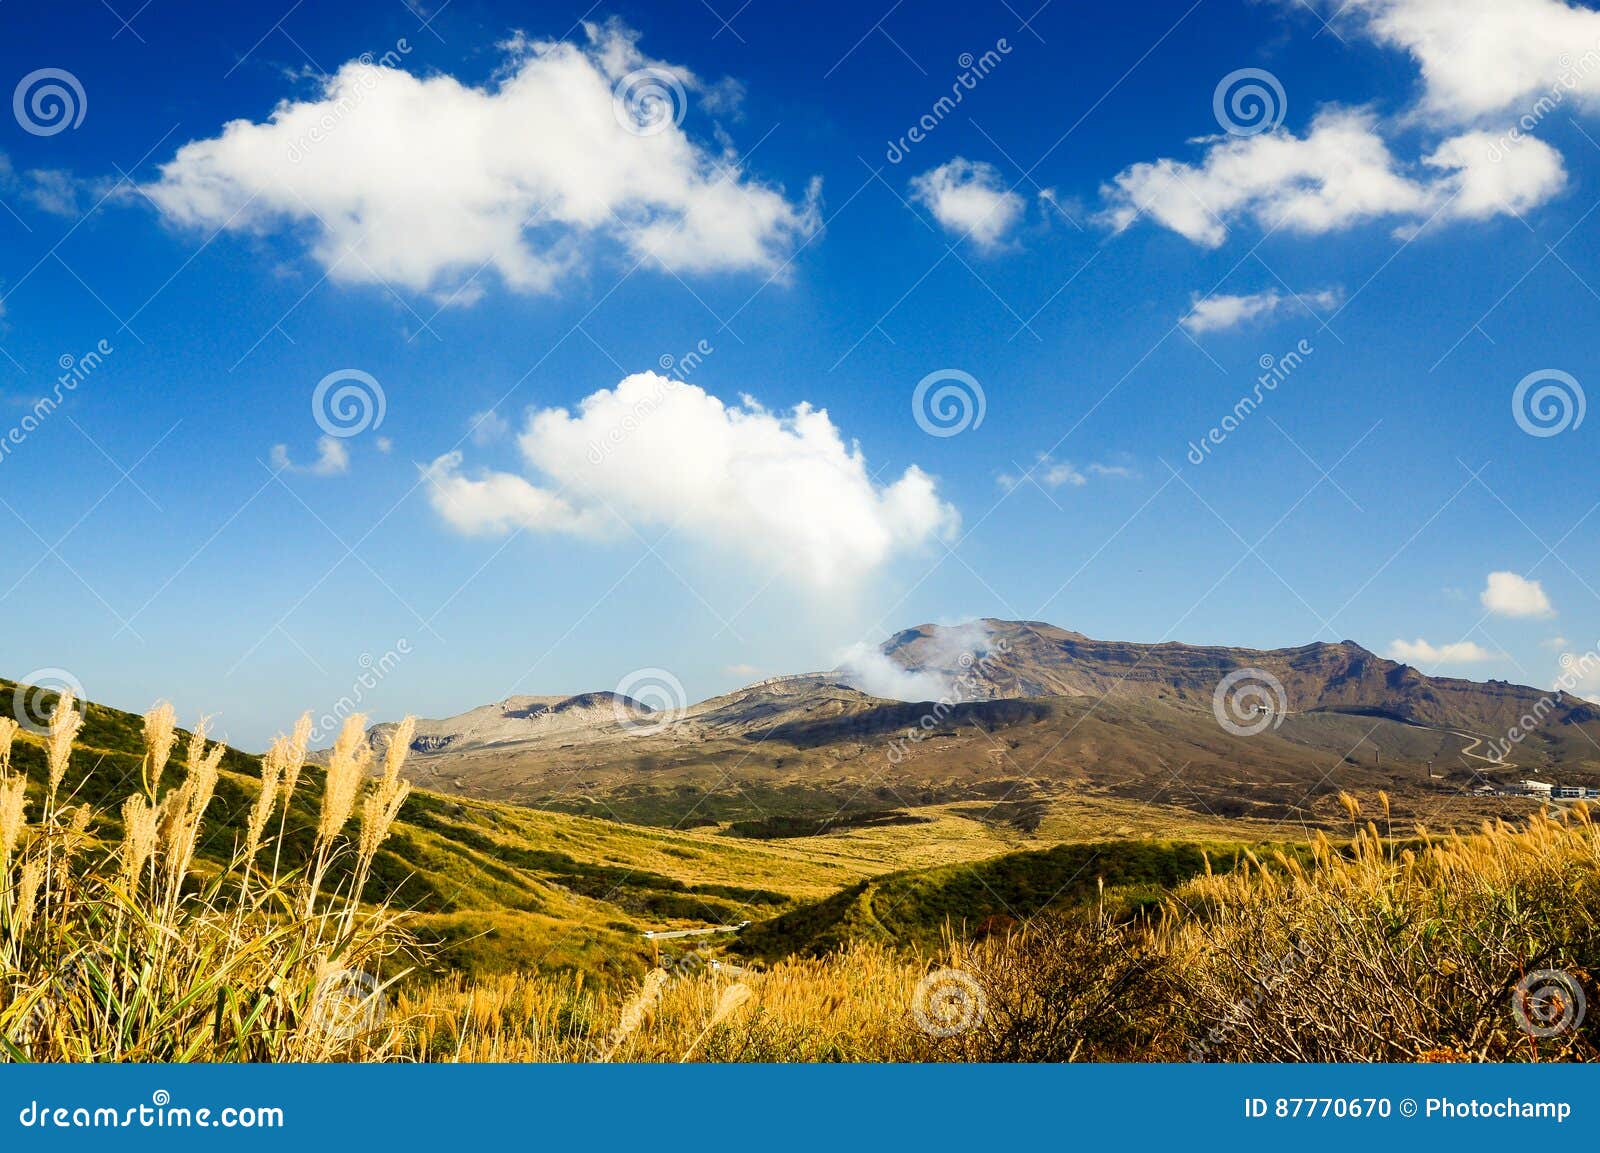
(1012, 710)
(1034, 659)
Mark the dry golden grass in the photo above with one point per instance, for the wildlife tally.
(1376, 949)
(852, 1006)
(1370, 951)
(127, 952)
(1378, 952)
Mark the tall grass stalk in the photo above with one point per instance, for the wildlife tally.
(128, 948)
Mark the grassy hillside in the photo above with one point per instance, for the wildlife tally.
(502, 887)
(498, 886)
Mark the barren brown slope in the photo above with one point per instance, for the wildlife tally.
(1031, 658)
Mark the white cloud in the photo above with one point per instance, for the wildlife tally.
(1509, 595)
(869, 669)
(969, 197)
(1220, 311)
(1340, 174)
(781, 490)
(333, 458)
(420, 182)
(1555, 642)
(1480, 57)
(1054, 473)
(1488, 176)
(1420, 652)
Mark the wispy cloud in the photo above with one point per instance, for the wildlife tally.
(1420, 652)
(1052, 473)
(1220, 311)
(333, 459)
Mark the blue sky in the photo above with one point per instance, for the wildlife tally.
(460, 205)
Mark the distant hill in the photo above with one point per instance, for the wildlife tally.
(1034, 659)
(518, 720)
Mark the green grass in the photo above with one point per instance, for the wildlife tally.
(689, 806)
(498, 886)
(780, 828)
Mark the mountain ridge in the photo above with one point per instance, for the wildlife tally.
(1017, 713)
(1019, 660)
